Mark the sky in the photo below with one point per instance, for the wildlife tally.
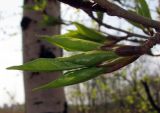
(11, 82)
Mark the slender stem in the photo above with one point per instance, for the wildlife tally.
(115, 28)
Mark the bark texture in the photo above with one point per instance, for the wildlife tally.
(46, 101)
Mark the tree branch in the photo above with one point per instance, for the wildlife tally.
(114, 28)
(83, 5)
(128, 50)
(115, 10)
(149, 96)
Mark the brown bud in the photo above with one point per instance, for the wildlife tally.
(129, 50)
(119, 63)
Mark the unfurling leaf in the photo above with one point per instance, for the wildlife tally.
(143, 8)
(74, 77)
(72, 44)
(90, 58)
(46, 64)
(82, 75)
(76, 34)
(90, 33)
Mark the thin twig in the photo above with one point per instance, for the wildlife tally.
(115, 28)
(83, 5)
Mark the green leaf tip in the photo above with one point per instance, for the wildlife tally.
(13, 67)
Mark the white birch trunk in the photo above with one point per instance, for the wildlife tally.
(46, 101)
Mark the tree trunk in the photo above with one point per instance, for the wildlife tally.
(46, 101)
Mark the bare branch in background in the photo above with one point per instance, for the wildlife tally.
(149, 96)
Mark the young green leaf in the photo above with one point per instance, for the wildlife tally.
(93, 57)
(82, 75)
(77, 34)
(144, 8)
(72, 44)
(47, 64)
(93, 34)
(73, 77)
(90, 58)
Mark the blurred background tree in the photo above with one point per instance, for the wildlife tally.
(35, 13)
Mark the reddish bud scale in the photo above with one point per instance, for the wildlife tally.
(152, 41)
(124, 50)
(119, 63)
(129, 50)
